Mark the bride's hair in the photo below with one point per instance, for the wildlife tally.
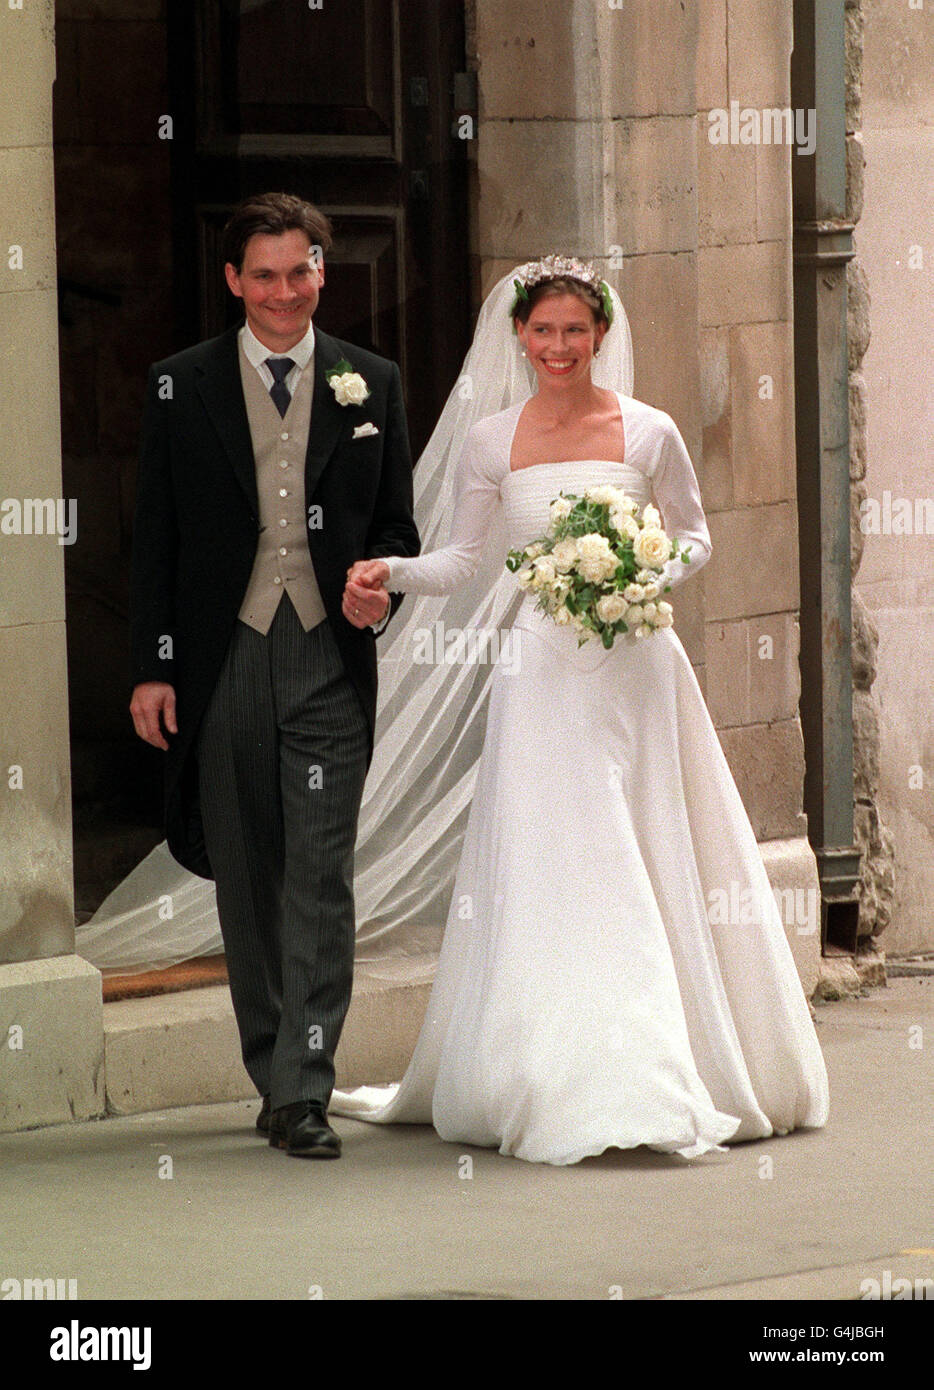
(561, 284)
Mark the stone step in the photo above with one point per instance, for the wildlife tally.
(183, 1049)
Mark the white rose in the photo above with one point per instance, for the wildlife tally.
(643, 631)
(524, 578)
(665, 616)
(633, 593)
(651, 590)
(596, 561)
(651, 547)
(560, 509)
(607, 495)
(350, 388)
(534, 550)
(611, 608)
(633, 615)
(564, 555)
(645, 576)
(545, 572)
(649, 610)
(624, 523)
(563, 616)
(651, 516)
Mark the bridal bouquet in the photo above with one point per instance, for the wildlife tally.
(598, 569)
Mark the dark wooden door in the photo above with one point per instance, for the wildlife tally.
(351, 104)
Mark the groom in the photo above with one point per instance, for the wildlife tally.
(272, 458)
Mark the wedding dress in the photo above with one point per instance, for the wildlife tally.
(586, 997)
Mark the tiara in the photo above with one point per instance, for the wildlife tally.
(560, 268)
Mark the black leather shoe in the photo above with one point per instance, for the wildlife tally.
(262, 1119)
(302, 1129)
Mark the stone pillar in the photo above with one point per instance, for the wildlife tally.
(876, 869)
(51, 1023)
(593, 139)
(746, 345)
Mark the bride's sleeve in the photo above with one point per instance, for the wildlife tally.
(476, 498)
(677, 495)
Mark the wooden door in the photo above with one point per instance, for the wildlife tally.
(350, 104)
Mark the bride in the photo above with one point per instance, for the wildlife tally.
(585, 998)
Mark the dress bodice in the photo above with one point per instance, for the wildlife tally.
(657, 467)
(527, 493)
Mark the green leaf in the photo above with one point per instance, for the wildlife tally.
(339, 369)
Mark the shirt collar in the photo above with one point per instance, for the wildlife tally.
(257, 352)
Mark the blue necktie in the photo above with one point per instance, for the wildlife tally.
(280, 368)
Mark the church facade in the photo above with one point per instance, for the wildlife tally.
(712, 169)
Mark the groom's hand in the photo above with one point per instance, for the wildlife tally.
(365, 599)
(150, 699)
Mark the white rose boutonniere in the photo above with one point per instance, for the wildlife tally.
(348, 386)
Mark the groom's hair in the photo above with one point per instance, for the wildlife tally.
(271, 214)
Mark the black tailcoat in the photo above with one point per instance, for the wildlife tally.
(197, 525)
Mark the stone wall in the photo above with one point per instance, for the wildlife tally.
(891, 427)
(594, 138)
(747, 354)
(876, 886)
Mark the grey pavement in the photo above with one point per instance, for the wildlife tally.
(401, 1214)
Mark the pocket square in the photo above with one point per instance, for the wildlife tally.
(363, 431)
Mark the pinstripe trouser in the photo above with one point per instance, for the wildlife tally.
(282, 762)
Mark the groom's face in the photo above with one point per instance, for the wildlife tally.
(279, 283)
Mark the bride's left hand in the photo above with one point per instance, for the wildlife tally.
(365, 600)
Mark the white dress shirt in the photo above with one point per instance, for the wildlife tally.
(257, 352)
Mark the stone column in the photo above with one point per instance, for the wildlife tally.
(51, 1022)
(746, 346)
(876, 870)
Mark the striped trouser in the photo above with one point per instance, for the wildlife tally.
(282, 759)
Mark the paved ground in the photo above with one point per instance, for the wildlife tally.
(395, 1218)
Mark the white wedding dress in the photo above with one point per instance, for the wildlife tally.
(585, 997)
